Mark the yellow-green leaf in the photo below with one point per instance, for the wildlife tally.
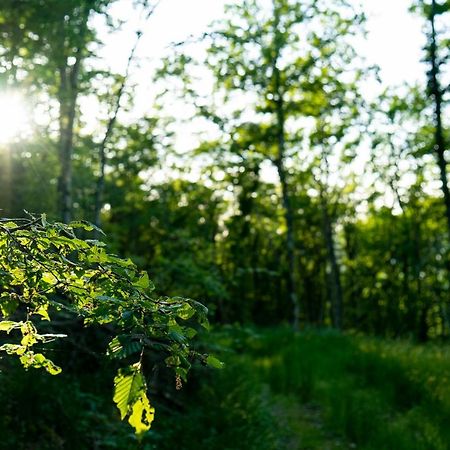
(8, 325)
(128, 385)
(42, 311)
(142, 414)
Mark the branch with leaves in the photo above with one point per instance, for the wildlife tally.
(46, 268)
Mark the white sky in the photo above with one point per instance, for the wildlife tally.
(394, 42)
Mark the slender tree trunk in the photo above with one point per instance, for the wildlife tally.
(100, 186)
(67, 109)
(436, 92)
(335, 273)
(439, 139)
(287, 206)
(290, 244)
(351, 287)
(67, 96)
(280, 165)
(5, 178)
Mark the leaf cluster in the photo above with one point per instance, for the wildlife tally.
(46, 269)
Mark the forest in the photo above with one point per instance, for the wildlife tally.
(239, 241)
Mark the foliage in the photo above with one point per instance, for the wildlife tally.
(309, 193)
(47, 269)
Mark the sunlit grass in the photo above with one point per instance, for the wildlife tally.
(321, 389)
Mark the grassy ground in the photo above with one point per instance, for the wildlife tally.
(316, 390)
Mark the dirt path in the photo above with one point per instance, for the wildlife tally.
(303, 427)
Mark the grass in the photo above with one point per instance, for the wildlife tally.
(319, 390)
(315, 390)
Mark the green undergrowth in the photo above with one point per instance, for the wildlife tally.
(377, 394)
(318, 390)
(279, 390)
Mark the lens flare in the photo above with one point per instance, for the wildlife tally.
(14, 117)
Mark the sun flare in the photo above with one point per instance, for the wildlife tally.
(14, 117)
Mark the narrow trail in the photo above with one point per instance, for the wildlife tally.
(303, 427)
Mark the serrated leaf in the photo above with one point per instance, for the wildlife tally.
(128, 386)
(13, 349)
(8, 305)
(42, 311)
(85, 225)
(186, 311)
(49, 278)
(38, 360)
(122, 347)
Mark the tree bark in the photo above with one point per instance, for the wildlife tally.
(67, 96)
(436, 92)
(290, 239)
(286, 200)
(335, 273)
(100, 187)
(67, 106)
(280, 166)
(5, 178)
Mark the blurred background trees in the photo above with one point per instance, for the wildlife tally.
(301, 201)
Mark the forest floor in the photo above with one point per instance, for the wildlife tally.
(279, 390)
(318, 390)
(305, 426)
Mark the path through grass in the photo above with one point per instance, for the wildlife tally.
(317, 390)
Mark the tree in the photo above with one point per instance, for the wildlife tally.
(100, 185)
(275, 58)
(436, 56)
(51, 46)
(437, 93)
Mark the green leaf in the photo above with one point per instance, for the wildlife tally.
(38, 360)
(186, 311)
(13, 349)
(144, 282)
(214, 362)
(131, 398)
(128, 386)
(8, 304)
(49, 278)
(123, 346)
(85, 225)
(43, 312)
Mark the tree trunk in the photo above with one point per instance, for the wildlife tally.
(287, 205)
(66, 123)
(5, 178)
(335, 273)
(290, 240)
(280, 165)
(436, 92)
(100, 185)
(67, 96)
(351, 288)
